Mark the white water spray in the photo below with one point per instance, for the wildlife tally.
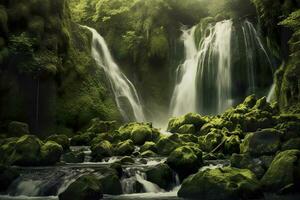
(123, 89)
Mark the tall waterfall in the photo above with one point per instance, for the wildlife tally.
(204, 79)
(124, 91)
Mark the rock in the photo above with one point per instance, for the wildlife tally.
(63, 140)
(127, 160)
(264, 142)
(283, 172)
(103, 136)
(244, 161)
(161, 175)
(188, 138)
(210, 141)
(216, 123)
(83, 139)
(187, 129)
(111, 184)
(185, 161)
(99, 126)
(165, 146)
(191, 119)
(18, 128)
(221, 184)
(140, 134)
(149, 146)
(7, 176)
(26, 151)
(101, 150)
(86, 187)
(50, 153)
(148, 154)
(74, 157)
(232, 144)
(7, 148)
(291, 144)
(125, 148)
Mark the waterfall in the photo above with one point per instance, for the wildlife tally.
(271, 93)
(122, 88)
(253, 45)
(204, 79)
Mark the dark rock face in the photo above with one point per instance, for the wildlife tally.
(221, 184)
(7, 176)
(18, 128)
(161, 175)
(87, 187)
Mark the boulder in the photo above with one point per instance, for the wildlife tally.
(232, 144)
(111, 184)
(50, 153)
(196, 120)
(86, 187)
(165, 146)
(73, 157)
(101, 150)
(221, 184)
(125, 148)
(140, 134)
(18, 128)
(283, 173)
(185, 161)
(127, 160)
(26, 151)
(62, 140)
(161, 175)
(99, 126)
(291, 144)
(148, 154)
(264, 142)
(149, 146)
(7, 176)
(187, 129)
(211, 140)
(83, 139)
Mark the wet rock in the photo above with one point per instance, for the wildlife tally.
(185, 161)
(63, 140)
(86, 187)
(127, 160)
(125, 148)
(291, 144)
(149, 146)
(83, 139)
(74, 157)
(161, 175)
(264, 142)
(193, 121)
(211, 140)
(50, 153)
(7, 176)
(111, 184)
(283, 173)
(101, 150)
(99, 126)
(148, 154)
(165, 146)
(221, 184)
(18, 128)
(232, 144)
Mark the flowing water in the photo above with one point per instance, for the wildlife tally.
(205, 73)
(205, 80)
(124, 91)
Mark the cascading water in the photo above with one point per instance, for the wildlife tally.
(124, 90)
(205, 76)
(206, 81)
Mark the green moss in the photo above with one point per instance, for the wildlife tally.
(50, 153)
(102, 150)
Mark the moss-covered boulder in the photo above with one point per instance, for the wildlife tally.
(62, 140)
(216, 123)
(166, 145)
(211, 140)
(127, 160)
(161, 175)
(101, 150)
(291, 144)
(73, 157)
(7, 148)
(111, 184)
(149, 146)
(264, 142)
(188, 138)
(124, 148)
(221, 184)
(51, 153)
(148, 154)
(7, 176)
(185, 161)
(86, 187)
(189, 122)
(232, 144)
(26, 151)
(83, 139)
(18, 128)
(283, 173)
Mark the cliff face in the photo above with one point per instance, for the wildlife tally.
(48, 78)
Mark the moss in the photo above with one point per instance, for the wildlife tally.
(101, 150)
(161, 175)
(62, 140)
(149, 146)
(73, 157)
(50, 153)
(148, 154)
(191, 118)
(125, 148)
(165, 146)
